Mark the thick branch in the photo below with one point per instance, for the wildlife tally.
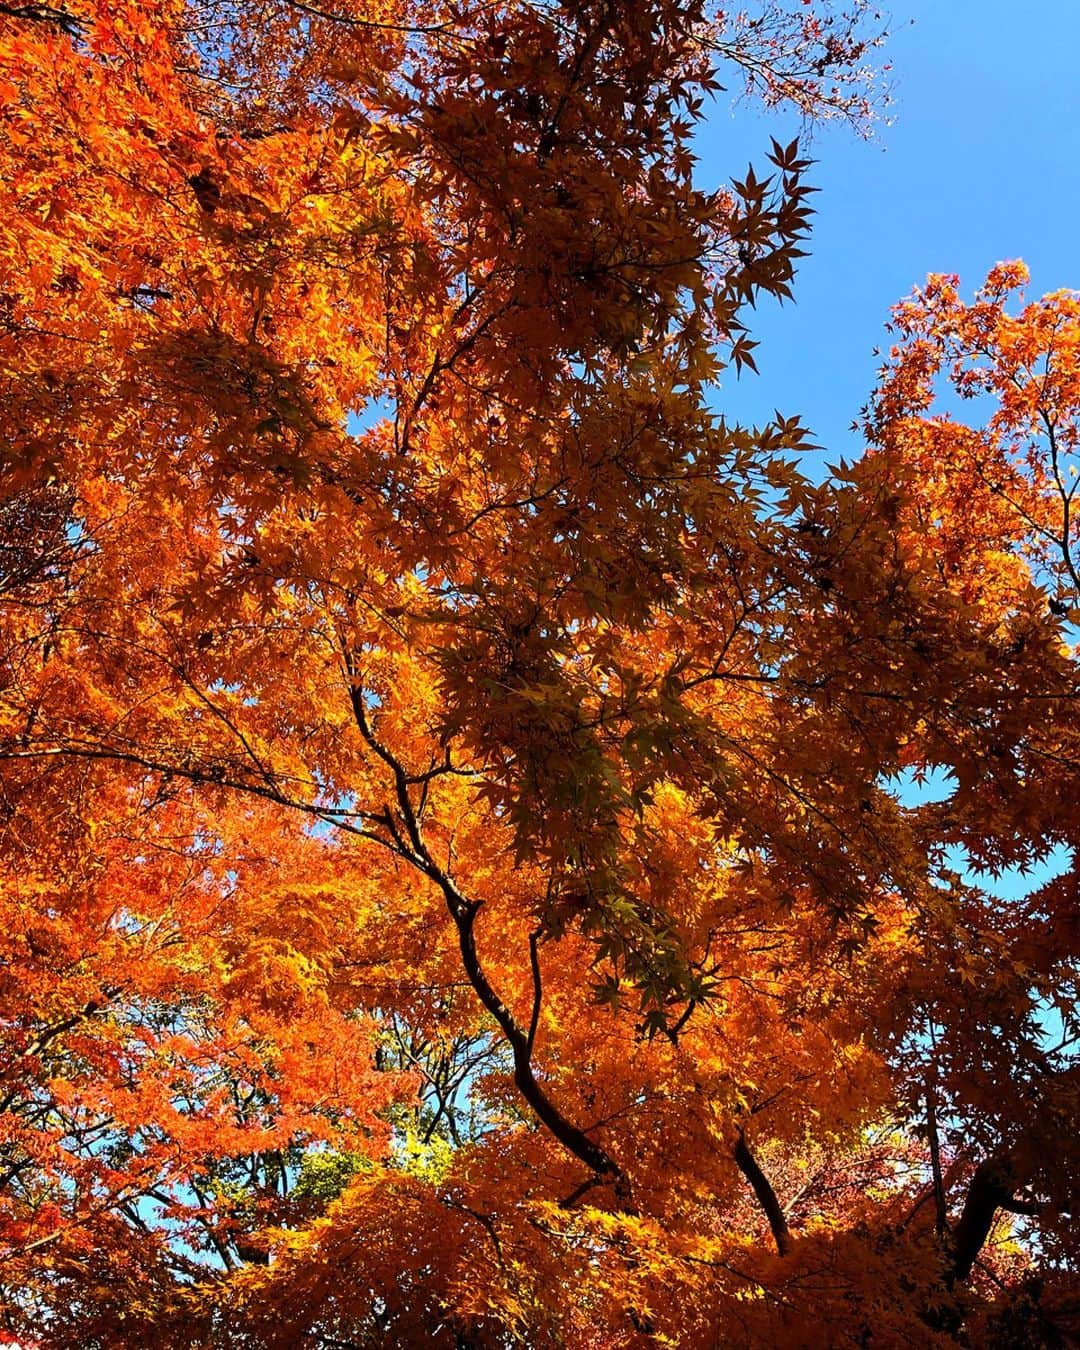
(991, 1188)
(573, 1139)
(50, 1033)
(538, 988)
(1031, 1209)
(766, 1196)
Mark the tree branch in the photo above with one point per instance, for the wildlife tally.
(766, 1196)
(940, 1209)
(991, 1188)
(67, 23)
(463, 911)
(538, 988)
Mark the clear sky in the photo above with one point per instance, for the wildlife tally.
(981, 162)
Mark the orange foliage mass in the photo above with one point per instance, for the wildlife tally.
(457, 885)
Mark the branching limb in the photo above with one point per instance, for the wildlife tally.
(463, 911)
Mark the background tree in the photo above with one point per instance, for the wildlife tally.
(456, 883)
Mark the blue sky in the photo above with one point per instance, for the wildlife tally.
(981, 163)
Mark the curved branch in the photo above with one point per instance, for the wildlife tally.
(766, 1196)
(538, 988)
(356, 21)
(463, 911)
(991, 1189)
(572, 1138)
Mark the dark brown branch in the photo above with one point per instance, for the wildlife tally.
(538, 988)
(209, 775)
(67, 23)
(573, 1139)
(940, 1208)
(766, 1196)
(355, 21)
(1031, 1209)
(681, 1021)
(569, 1201)
(992, 1187)
(463, 911)
(50, 1033)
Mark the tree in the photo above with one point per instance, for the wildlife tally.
(458, 883)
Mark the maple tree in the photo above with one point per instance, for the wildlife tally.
(458, 881)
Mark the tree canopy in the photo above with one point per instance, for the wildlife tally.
(463, 874)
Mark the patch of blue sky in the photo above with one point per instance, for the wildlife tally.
(913, 788)
(978, 165)
(374, 411)
(342, 807)
(1012, 883)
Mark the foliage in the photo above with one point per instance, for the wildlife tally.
(457, 882)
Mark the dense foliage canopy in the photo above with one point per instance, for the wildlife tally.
(463, 879)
